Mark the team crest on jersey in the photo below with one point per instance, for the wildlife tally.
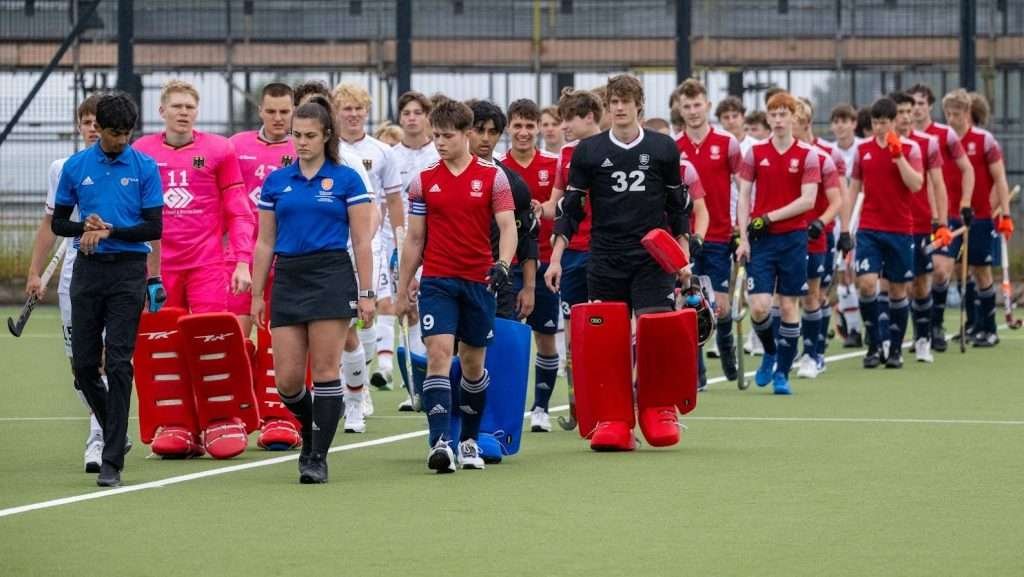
(368, 164)
(645, 159)
(476, 187)
(543, 176)
(972, 148)
(327, 183)
(198, 162)
(286, 160)
(716, 152)
(794, 164)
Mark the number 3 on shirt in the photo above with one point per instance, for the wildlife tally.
(622, 181)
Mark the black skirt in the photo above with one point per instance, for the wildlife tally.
(313, 287)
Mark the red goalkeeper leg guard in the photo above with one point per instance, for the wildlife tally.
(666, 373)
(167, 411)
(218, 363)
(602, 371)
(279, 431)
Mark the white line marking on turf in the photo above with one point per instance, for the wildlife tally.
(859, 420)
(212, 473)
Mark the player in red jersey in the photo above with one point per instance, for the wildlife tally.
(889, 170)
(773, 235)
(827, 204)
(991, 192)
(204, 198)
(537, 168)
(456, 199)
(715, 154)
(261, 152)
(930, 210)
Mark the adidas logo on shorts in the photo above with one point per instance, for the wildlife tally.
(550, 324)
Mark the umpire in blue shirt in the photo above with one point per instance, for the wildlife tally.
(120, 191)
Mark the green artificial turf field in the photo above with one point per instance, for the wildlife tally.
(881, 473)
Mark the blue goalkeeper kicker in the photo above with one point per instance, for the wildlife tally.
(508, 363)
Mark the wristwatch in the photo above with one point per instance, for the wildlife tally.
(368, 294)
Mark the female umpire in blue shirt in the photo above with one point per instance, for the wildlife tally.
(120, 191)
(307, 210)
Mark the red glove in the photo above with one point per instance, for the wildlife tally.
(1004, 226)
(942, 237)
(892, 142)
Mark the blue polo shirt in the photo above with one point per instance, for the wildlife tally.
(312, 213)
(116, 189)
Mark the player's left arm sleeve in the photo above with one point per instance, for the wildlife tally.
(151, 227)
(503, 205)
(735, 155)
(236, 206)
(830, 180)
(390, 177)
(52, 181)
(526, 224)
(677, 191)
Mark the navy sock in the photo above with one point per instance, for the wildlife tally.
(810, 331)
(883, 315)
(776, 321)
(987, 309)
(437, 403)
(789, 338)
(922, 313)
(971, 294)
(545, 373)
(869, 314)
(899, 313)
(723, 333)
(939, 294)
(826, 322)
(766, 334)
(301, 405)
(328, 402)
(472, 399)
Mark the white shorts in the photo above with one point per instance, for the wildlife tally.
(64, 284)
(64, 301)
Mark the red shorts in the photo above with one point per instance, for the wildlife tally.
(198, 290)
(241, 303)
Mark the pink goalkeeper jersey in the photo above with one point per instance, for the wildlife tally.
(203, 197)
(257, 158)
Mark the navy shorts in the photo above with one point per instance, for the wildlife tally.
(715, 261)
(830, 262)
(953, 250)
(453, 306)
(981, 247)
(544, 318)
(781, 259)
(574, 279)
(815, 265)
(889, 253)
(922, 260)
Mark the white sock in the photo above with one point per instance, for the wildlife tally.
(368, 337)
(849, 305)
(385, 336)
(416, 340)
(560, 345)
(353, 370)
(95, 430)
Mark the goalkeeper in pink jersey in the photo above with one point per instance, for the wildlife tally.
(204, 198)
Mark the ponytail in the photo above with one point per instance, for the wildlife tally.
(319, 108)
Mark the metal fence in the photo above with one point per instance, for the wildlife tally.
(831, 51)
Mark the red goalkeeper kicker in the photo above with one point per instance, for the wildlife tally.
(665, 250)
(666, 360)
(602, 365)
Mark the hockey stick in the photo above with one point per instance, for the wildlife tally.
(963, 298)
(1007, 287)
(403, 325)
(739, 313)
(569, 423)
(26, 311)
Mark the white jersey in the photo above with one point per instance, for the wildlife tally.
(355, 162)
(410, 161)
(379, 164)
(52, 180)
(846, 153)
